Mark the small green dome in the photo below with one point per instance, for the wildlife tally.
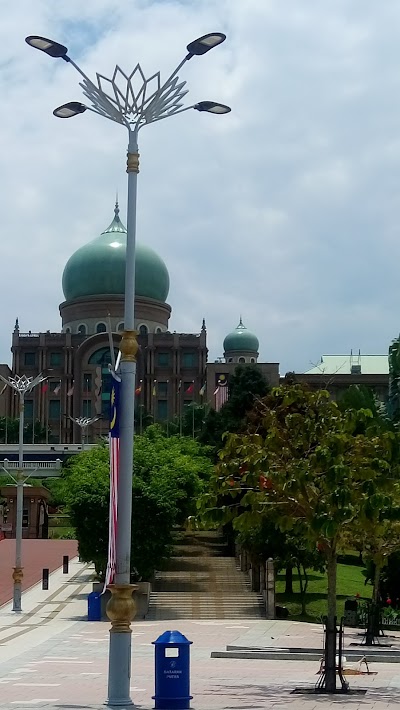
(98, 268)
(241, 340)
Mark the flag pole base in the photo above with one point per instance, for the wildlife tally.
(121, 610)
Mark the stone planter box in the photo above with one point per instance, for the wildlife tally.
(142, 598)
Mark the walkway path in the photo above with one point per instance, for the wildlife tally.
(37, 554)
(51, 657)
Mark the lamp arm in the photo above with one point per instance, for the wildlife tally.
(5, 381)
(168, 115)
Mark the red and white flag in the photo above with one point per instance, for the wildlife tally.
(114, 477)
(221, 394)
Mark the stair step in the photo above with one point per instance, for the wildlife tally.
(201, 581)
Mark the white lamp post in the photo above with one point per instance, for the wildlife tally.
(83, 423)
(117, 99)
(22, 385)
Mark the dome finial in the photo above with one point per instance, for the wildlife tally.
(240, 320)
(116, 208)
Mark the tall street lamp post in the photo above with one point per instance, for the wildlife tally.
(83, 423)
(134, 102)
(22, 385)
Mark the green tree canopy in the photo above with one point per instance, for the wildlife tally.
(302, 461)
(169, 474)
(246, 386)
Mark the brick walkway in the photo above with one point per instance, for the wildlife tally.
(52, 657)
(36, 555)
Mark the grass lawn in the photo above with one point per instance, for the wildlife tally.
(350, 581)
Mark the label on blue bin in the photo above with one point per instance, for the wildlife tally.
(173, 673)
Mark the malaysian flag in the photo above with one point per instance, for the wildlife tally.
(221, 393)
(114, 474)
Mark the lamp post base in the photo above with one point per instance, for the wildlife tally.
(18, 576)
(120, 610)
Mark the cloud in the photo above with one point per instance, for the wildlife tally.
(285, 211)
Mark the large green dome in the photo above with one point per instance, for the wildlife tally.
(98, 268)
(241, 340)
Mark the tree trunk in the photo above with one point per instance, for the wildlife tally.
(377, 576)
(303, 588)
(289, 580)
(330, 641)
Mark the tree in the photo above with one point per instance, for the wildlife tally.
(169, 474)
(87, 499)
(302, 460)
(178, 467)
(393, 405)
(264, 539)
(9, 430)
(246, 386)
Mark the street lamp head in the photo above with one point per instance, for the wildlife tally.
(53, 49)
(212, 107)
(203, 44)
(73, 108)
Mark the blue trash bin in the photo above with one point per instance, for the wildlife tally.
(94, 606)
(172, 671)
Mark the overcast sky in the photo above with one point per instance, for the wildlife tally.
(286, 211)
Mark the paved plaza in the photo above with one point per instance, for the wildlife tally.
(51, 656)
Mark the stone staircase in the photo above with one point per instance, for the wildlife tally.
(202, 582)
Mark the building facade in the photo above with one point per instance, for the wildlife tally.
(172, 368)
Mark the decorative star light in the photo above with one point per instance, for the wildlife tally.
(23, 384)
(84, 421)
(134, 99)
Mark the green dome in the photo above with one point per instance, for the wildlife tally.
(241, 340)
(98, 268)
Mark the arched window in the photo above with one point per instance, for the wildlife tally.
(102, 356)
(68, 329)
(82, 329)
(158, 330)
(143, 330)
(120, 326)
(101, 328)
(252, 359)
(230, 359)
(241, 360)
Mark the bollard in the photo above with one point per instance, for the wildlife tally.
(65, 564)
(172, 671)
(45, 579)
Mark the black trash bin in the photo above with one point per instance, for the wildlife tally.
(350, 612)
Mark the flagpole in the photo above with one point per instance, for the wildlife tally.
(46, 404)
(33, 419)
(180, 407)
(167, 409)
(60, 420)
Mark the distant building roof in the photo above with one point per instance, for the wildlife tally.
(351, 364)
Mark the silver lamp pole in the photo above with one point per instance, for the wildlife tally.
(118, 100)
(83, 423)
(22, 385)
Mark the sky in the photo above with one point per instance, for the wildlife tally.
(286, 211)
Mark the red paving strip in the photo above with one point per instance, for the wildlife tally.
(36, 555)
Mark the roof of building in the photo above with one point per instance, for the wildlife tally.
(350, 364)
(241, 340)
(98, 268)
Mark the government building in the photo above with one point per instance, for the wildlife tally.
(172, 368)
